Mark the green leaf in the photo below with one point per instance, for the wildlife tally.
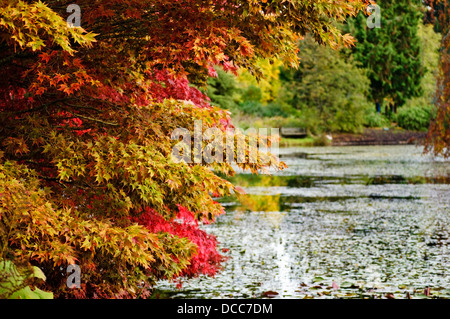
(43, 294)
(38, 273)
(346, 284)
(318, 279)
(27, 293)
(24, 293)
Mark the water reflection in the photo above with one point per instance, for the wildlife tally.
(373, 220)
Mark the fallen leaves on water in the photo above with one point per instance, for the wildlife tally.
(270, 294)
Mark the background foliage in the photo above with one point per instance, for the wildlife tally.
(330, 91)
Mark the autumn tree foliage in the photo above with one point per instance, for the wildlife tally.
(438, 139)
(86, 116)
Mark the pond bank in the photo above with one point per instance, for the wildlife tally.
(379, 136)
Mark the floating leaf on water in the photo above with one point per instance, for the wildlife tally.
(270, 294)
(347, 284)
(318, 279)
(335, 285)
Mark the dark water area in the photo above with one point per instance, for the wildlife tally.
(339, 222)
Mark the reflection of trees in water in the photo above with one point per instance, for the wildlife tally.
(269, 205)
(260, 203)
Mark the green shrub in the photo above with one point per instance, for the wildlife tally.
(290, 121)
(415, 118)
(374, 119)
(328, 89)
(252, 93)
(321, 140)
(251, 107)
(223, 90)
(259, 109)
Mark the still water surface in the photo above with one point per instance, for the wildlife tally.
(375, 220)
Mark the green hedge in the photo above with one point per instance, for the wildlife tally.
(415, 118)
(374, 119)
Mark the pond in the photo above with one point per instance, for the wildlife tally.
(339, 222)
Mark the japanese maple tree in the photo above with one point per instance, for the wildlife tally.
(86, 116)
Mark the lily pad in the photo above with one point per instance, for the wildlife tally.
(318, 279)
